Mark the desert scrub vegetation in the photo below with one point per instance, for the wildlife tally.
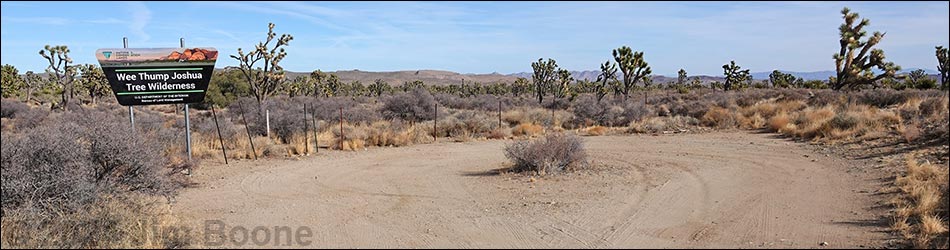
(553, 153)
(83, 179)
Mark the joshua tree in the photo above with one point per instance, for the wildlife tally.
(681, 77)
(265, 81)
(32, 82)
(563, 87)
(735, 75)
(918, 79)
(316, 78)
(379, 87)
(545, 73)
(11, 82)
(633, 67)
(852, 63)
(299, 86)
(782, 80)
(943, 60)
(520, 87)
(608, 75)
(59, 70)
(93, 81)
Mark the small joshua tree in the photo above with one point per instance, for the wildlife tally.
(12, 83)
(60, 71)
(633, 67)
(545, 73)
(853, 64)
(782, 80)
(93, 81)
(608, 75)
(563, 87)
(265, 80)
(735, 75)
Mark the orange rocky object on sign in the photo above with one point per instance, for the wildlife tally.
(195, 54)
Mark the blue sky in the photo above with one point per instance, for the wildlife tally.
(482, 37)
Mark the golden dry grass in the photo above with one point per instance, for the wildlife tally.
(527, 129)
(112, 223)
(594, 131)
(720, 118)
(920, 209)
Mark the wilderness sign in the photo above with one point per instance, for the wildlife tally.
(158, 75)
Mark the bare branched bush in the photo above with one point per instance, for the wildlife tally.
(70, 162)
(417, 105)
(553, 153)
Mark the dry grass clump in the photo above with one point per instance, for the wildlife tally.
(720, 118)
(553, 153)
(594, 131)
(920, 212)
(527, 129)
(118, 222)
(499, 133)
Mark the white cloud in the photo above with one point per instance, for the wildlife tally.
(140, 16)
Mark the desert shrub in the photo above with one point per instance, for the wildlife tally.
(287, 118)
(883, 98)
(664, 124)
(587, 111)
(483, 102)
(70, 162)
(9, 108)
(553, 153)
(635, 111)
(824, 98)
(691, 108)
(416, 105)
(204, 124)
(556, 103)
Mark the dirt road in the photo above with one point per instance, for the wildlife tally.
(724, 189)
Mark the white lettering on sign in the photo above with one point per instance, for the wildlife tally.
(125, 77)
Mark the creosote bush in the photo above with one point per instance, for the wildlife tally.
(556, 152)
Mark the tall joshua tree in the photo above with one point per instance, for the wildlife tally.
(943, 65)
(60, 71)
(633, 67)
(265, 81)
(853, 64)
(735, 75)
(608, 74)
(545, 73)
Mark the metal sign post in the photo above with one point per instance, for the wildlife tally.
(125, 44)
(187, 120)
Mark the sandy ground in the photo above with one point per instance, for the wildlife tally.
(713, 190)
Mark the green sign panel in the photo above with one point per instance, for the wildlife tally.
(158, 75)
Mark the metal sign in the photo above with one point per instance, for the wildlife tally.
(158, 75)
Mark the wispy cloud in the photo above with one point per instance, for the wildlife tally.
(140, 16)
